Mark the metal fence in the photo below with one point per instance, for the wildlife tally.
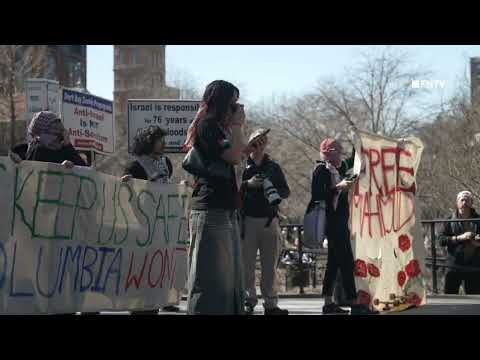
(438, 255)
(292, 234)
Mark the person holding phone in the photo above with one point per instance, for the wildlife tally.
(215, 282)
(462, 240)
(330, 183)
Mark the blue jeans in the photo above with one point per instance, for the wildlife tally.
(215, 284)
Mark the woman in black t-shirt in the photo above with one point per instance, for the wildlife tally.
(215, 281)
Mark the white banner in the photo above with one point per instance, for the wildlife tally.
(89, 121)
(174, 116)
(386, 237)
(78, 240)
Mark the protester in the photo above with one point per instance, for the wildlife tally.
(329, 184)
(462, 240)
(215, 281)
(48, 141)
(151, 164)
(260, 227)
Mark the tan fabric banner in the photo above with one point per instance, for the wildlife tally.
(79, 240)
(386, 233)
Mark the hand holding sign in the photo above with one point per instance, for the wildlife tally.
(68, 164)
(344, 185)
(14, 157)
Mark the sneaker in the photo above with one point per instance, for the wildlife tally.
(333, 309)
(360, 309)
(171, 308)
(249, 309)
(276, 311)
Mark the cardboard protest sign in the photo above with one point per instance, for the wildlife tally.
(386, 238)
(78, 240)
(173, 116)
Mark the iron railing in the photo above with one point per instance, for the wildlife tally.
(433, 261)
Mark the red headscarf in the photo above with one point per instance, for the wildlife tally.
(331, 151)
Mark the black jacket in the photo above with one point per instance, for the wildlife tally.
(254, 202)
(20, 150)
(456, 249)
(322, 189)
(40, 153)
(138, 172)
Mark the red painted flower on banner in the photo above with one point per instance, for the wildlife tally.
(404, 242)
(363, 297)
(413, 269)
(373, 270)
(401, 277)
(413, 298)
(360, 268)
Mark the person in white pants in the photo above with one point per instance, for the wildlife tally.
(263, 188)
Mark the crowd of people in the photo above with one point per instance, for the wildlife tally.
(231, 221)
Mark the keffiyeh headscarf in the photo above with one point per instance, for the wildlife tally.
(157, 170)
(331, 152)
(467, 195)
(46, 129)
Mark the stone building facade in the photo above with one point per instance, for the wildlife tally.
(139, 73)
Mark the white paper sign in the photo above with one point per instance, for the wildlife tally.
(174, 116)
(89, 121)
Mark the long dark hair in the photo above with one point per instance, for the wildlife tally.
(145, 140)
(218, 97)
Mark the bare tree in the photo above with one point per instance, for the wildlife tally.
(376, 95)
(185, 83)
(450, 161)
(17, 63)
